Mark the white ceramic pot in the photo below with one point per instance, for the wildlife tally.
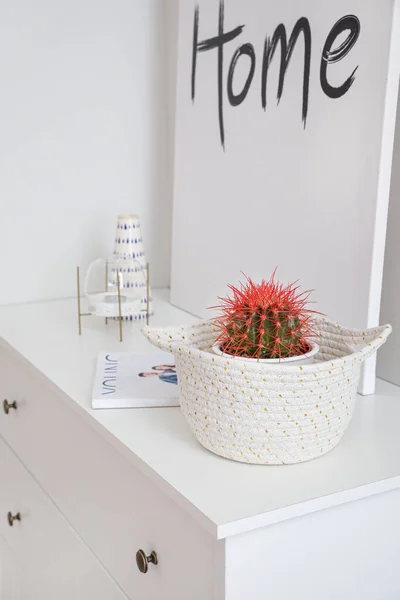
(301, 359)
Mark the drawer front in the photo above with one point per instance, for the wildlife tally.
(52, 561)
(10, 574)
(113, 506)
(349, 552)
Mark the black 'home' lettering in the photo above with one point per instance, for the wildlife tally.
(210, 44)
(329, 56)
(302, 26)
(245, 50)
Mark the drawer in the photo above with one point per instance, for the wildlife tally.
(52, 560)
(113, 506)
(348, 552)
(10, 574)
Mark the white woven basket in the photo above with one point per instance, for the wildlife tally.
(268, 414)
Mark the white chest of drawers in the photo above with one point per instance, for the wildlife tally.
(93, 487)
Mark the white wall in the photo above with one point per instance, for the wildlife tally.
(389, 355)
(83, 138)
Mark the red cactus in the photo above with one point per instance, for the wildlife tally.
(265, 320)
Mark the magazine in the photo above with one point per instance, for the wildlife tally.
(128, 380)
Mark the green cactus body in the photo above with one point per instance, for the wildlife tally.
(265, 321)
(265, 333)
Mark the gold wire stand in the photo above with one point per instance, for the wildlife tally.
(120, 317)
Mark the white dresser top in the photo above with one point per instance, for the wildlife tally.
(226, 497)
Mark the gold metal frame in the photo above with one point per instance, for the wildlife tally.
(80, 314)
(120, 317)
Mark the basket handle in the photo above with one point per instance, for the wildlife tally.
(165, 338)
(373, 339)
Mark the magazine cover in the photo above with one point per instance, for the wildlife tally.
(128, 380)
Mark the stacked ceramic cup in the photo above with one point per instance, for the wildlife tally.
(129, 245)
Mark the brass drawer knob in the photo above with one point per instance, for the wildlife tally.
(143, 561)
(7, 405)
(11, 518)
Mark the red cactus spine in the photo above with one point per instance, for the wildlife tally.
(266, 320)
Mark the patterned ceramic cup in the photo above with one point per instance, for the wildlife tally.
(128, 244)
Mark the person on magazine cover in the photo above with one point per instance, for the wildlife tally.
(165, 373)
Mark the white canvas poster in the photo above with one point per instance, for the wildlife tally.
(284, 131)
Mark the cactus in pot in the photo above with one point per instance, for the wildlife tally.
(265, 321)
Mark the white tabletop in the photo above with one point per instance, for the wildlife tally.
(224, 496)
